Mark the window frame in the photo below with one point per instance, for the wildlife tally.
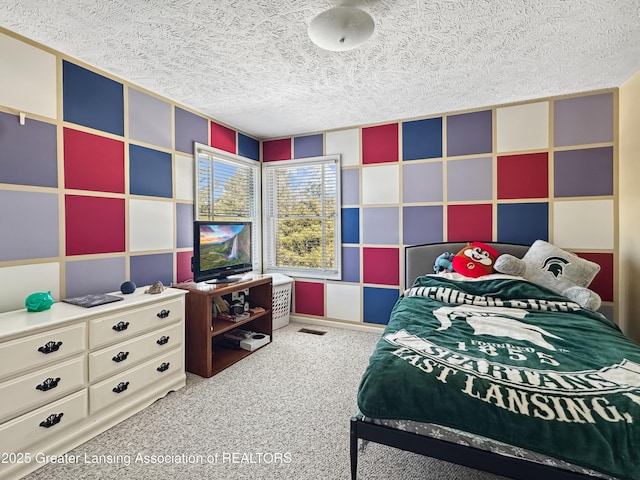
(216, 154)
(268, 220)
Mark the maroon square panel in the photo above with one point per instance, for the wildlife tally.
(92, 162)
(602, 284)
(276, 150)
(380, 144)
(523, 176)
(469, 222)
(309, 298)
(94, 225)
(183, 266)
(223, 138)
(381, 266)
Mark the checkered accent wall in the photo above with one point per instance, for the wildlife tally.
(543, 169)
(97, 186)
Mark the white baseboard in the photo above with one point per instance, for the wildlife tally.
(337, 324)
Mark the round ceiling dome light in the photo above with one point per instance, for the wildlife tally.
(341, 28)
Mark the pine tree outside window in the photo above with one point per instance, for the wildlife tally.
(301, 217)
(228, 188)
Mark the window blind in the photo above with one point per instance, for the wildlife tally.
(228, 188)
(302, 217)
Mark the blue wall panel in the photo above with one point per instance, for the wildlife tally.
(248, 147)
(422, 139)
(149, 172)
(92, 100)
(523, 222)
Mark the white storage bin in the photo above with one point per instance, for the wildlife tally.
(281, 299)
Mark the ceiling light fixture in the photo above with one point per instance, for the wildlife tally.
(341, 28)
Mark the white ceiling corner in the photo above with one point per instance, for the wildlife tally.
(251, 65)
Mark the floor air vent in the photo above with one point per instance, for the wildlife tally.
(312, 331)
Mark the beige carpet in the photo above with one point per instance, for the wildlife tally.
(281, 413)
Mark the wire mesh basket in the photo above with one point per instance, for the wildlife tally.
(281, 301)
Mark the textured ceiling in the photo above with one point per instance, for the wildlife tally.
(250, 64)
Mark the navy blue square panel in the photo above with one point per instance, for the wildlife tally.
(523, 222)
(149, 172)
(248, 147)
(92, 100)
(350, 225)
(422, 139)
(378, 303)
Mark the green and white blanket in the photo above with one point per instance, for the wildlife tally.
(509, 360)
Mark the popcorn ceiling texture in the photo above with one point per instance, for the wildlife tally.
(251, 65)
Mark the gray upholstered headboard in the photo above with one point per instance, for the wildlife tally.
(419, 259)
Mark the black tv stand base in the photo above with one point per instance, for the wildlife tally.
(215, 281)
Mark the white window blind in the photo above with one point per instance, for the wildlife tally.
(228, 188)
(302, 217)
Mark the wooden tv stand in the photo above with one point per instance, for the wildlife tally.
(204, 354)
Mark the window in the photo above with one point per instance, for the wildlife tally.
(228, 188)
(302, 217)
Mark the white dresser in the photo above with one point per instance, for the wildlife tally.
(70, 373)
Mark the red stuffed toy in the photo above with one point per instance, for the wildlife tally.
(475, 260)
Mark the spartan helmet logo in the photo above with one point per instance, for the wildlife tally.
(555, 265)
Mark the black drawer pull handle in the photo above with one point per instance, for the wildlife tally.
(164, 313)
(122, 386)
(50, 347)
(163, 340)
(51, 420)
(121, 326)
(120, 357)
(164, 367)
(48, 384)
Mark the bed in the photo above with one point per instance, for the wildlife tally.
(502, 375)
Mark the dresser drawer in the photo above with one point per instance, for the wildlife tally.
(117, 327)
(129, 383)
(116, 358)
(41, 349)
(41, 387)
(43, 423)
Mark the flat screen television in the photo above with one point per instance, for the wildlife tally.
(220, 249)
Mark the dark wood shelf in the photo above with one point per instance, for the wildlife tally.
(219, 327)
(225, 357)
(204, 355)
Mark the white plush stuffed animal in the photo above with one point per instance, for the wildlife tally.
(556, 269)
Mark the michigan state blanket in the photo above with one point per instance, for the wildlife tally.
(509, 360)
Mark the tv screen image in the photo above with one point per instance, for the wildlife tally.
(221, 249)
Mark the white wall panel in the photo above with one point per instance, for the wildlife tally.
(150, 225)
(184, 177)
(380, 184)
(343, 302)
(523, 127)
(584, 224)
(22, 280)
(346, 143)
(28, 78)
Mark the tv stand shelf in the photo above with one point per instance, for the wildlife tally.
(222, 326)
(205, 356)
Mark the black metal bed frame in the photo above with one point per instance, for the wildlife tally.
(487, 461)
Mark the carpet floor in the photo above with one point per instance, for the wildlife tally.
(281, 413)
